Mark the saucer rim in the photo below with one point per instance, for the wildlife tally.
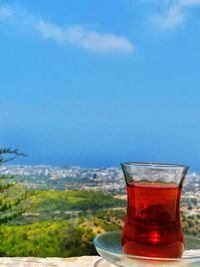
(121, 254)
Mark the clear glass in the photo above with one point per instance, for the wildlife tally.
(109, 247)
(153, 226)
(154, 172)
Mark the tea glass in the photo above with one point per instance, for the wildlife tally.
(153, 223)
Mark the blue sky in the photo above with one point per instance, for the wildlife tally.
(95, 83)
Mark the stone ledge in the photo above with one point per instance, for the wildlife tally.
(85, 261)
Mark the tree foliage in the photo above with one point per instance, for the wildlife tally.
(12, 196)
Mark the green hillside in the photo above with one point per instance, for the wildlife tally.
(61, 223)
(64, 205)
(64, 223)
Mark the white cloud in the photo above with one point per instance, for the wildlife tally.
(99, 42)
(50, 31)
(93, 41)
(189, 3)
(90, 40)
(173, 17)
(5, 13)
(173, 14)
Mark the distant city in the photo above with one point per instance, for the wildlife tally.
(75, 177)
(108, 180)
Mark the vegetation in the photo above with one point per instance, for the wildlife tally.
(61, 223)
(12, 196)
(191, 225)
(65, 205)
(43, 239)
(64, 223)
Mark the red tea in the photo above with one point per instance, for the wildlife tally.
(152, 226)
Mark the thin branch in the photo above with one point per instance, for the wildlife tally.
(15, 152)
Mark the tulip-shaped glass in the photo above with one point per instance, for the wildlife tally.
(153, 226)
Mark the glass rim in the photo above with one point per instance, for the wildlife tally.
(154, 165)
